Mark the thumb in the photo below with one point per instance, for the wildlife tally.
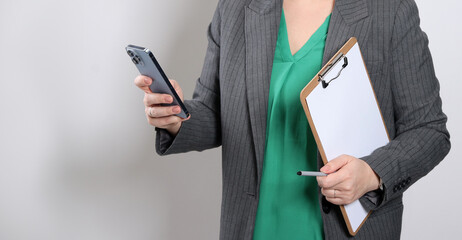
(335, 164)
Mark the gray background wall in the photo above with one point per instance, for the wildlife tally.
(77, 157)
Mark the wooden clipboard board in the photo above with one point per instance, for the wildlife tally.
(344, 116)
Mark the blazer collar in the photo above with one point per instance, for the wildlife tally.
(261, 6)
(262, 17)
(350, 18)
(351, 10)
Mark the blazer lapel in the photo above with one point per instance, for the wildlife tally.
(262, 19)
(350, 18)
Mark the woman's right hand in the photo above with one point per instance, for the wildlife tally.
(157, 115)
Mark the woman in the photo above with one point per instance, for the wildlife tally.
(260, 55)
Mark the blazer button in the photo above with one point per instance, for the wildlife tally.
(325, 205)
(395, 189)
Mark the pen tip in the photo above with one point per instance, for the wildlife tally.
(299, 173)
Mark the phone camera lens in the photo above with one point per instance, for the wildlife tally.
(130, 53)
(137, 60)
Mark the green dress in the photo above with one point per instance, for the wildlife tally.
(288, 207)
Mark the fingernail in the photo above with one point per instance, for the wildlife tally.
(324, 169)
(168, 98)
(146, 81)
(176, 109)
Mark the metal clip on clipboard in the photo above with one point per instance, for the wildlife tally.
(325, 82)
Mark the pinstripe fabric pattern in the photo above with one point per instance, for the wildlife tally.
(229, 106)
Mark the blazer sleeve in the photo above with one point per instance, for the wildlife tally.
(421, 139)
(202, 130)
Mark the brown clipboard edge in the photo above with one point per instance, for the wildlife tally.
(308, 89)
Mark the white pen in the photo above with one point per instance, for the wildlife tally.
(310, 173)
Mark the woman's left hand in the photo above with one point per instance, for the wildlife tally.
(348, 179)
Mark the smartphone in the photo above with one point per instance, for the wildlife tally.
(147, 65)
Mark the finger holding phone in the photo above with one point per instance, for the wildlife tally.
(163, 99)
(158, 115)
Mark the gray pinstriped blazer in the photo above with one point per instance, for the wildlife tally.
(229, 106)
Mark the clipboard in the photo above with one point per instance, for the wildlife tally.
(344, 116)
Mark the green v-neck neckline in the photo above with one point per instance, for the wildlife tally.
(318, 35)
